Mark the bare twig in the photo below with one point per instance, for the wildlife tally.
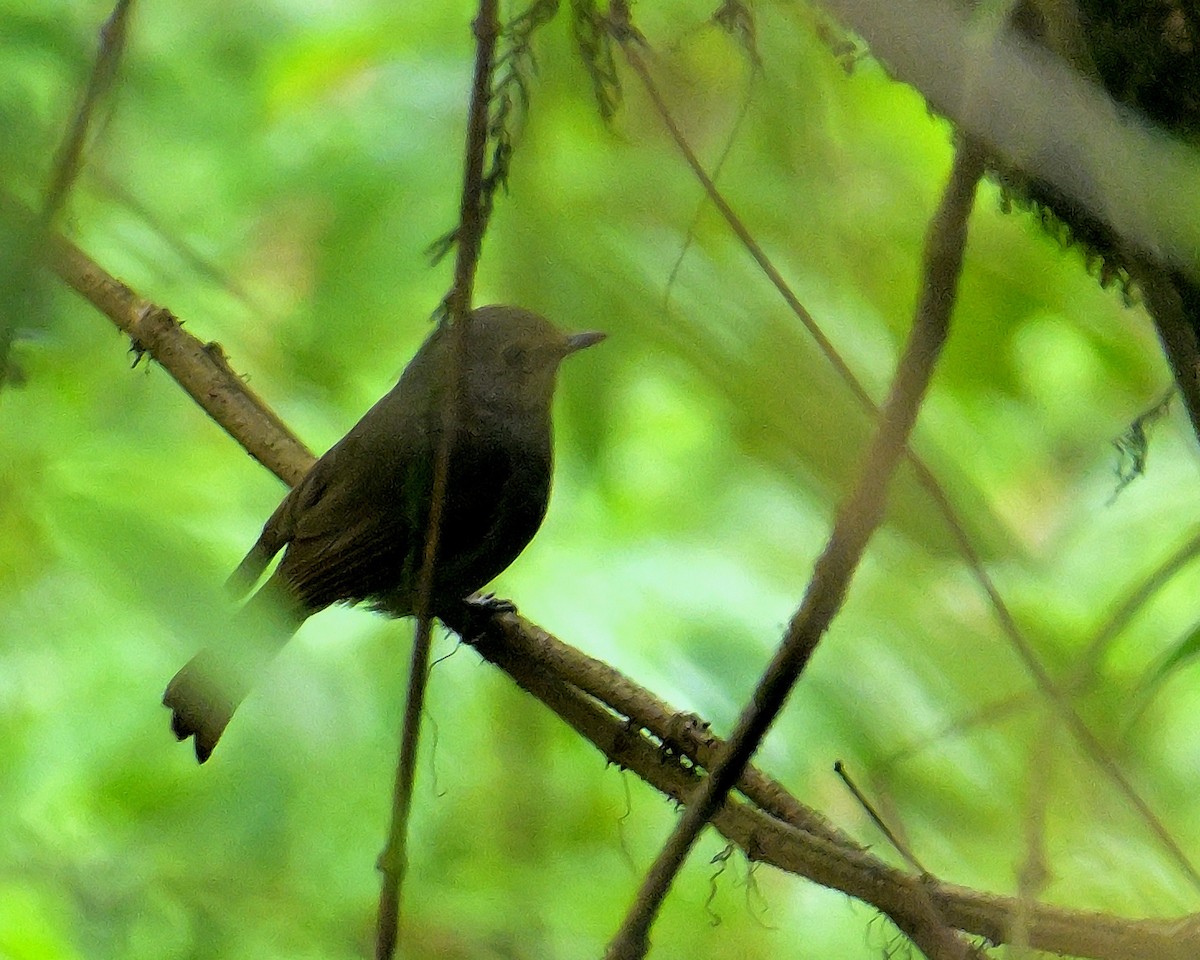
(1034, 872)
(393, 861)
(857, 520)
(65, 169)
(690, 234)
(925, 927)
(869, 808)
(69, 160)
(1097, 647)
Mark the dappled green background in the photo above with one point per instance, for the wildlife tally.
(273, 173)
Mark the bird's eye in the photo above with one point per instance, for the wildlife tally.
(514, 355)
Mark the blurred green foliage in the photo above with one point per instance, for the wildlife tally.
(273, 173)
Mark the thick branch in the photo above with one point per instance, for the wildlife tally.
(1033, 109)
(1036, 112)
(1175, 333)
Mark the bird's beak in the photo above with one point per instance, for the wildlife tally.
(581, 341)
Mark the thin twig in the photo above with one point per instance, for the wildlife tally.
(68, 162)
(869, 808)
(690, 234)
(393, 861)
(1086, 669)
(1097, 647)
(1034, 873)
(927, 925)
(69, 159)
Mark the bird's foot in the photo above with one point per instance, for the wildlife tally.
(489, 604)
(478, 611)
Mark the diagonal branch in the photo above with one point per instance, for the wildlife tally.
(69, 159)
(612, 712)
(199, 368)
(857, 520)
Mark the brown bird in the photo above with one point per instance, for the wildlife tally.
(353, 530)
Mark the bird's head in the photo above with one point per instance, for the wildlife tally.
(512, 356)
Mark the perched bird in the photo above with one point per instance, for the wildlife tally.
(353, 530)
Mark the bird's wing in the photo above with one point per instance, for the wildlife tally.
(354, 536)
(359, 561)
(496, 497)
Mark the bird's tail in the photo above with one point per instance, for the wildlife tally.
(203, 696)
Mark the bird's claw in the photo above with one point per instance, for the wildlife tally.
(489, 604)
